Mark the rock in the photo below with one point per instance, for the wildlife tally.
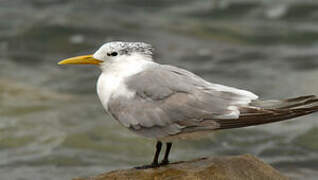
(244, 167)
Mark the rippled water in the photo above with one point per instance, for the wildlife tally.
(52, 125)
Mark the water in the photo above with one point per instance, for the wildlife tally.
(52, 125)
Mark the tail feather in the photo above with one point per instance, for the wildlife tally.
(263, 112)
(286, 103)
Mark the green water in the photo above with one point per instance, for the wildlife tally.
(52, 125)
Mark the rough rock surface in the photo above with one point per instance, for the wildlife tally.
(244, 167)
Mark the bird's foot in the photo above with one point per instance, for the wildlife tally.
(153, 165)
(164, 162)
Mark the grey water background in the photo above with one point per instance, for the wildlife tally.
(52, 125)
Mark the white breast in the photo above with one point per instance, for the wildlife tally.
(107, 85)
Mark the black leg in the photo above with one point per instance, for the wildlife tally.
(165, 160)
(154, 163)
(158, 149)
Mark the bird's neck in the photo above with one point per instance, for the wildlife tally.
(112, 80)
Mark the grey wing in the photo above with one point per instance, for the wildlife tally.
(170, 100)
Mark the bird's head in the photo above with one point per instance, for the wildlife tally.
(112, 52)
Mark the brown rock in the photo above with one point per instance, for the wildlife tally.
(244, 167)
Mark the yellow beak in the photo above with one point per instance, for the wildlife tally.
(87, 59)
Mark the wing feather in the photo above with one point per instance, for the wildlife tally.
(169, 100)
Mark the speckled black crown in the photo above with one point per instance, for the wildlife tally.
(127, 48)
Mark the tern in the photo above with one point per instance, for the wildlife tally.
(167, 103)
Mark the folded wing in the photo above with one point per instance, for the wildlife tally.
(170, 100)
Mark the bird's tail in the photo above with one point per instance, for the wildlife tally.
(262, 112)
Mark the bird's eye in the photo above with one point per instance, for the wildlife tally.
(112, 54)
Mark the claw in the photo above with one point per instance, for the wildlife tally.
(148, 166)
(164, 162)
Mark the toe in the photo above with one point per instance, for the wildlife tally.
(164, 162)
(148, 166)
